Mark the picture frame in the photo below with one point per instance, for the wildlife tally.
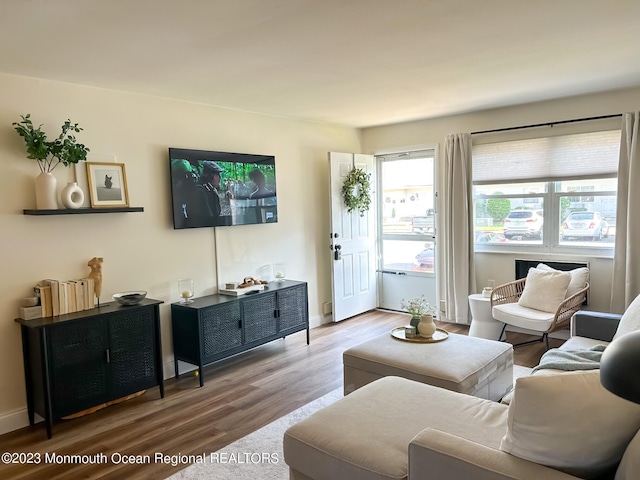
(107, 184)
(81, 172)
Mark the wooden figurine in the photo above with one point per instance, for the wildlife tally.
(96, 273)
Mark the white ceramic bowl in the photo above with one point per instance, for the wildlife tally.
(129, 298)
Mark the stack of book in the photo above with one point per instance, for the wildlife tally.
(58, 297)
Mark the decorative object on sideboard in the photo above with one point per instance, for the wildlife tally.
(280, 271)
(265, 273)
(29, 301)
(107, 184)
(356, 191)
(96, 274)
(63, 150)
(250, 281)
(248, 285)
(58, 297)
(185, 290)
(30, 308)
(72, 196)
(129, 298)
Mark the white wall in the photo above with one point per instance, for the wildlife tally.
(141, 250)
(498, 266)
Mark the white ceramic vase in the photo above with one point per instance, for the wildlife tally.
(72, 195)
(426, 327)
(46, 191)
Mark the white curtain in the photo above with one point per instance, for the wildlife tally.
(458, 274)
(626, 263)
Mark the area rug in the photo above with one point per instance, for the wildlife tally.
(259, 454)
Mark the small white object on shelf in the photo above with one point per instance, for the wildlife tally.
(185, 289)
(72, 196)
(280, 271)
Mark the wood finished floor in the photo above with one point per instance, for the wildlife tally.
(240, 395)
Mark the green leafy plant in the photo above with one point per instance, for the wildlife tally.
(418, 306)
(49, 154)
(356, 191)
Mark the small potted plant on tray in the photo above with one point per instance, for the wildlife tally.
(421, 312)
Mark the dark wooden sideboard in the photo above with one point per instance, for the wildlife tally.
(80, 360)
(218, 326)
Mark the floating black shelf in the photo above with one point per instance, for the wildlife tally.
(80, 211)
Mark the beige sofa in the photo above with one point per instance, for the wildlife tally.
(560, 426)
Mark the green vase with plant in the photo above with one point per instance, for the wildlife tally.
(65, 150)
(421, 312)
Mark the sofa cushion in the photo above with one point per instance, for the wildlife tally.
(579, 278)
(581, 343)
(366, 434)
(630, 321)
(569, 422)
(544, 290)
(629, 468)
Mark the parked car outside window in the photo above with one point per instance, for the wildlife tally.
(490, 237)
(425, 258)
(523, 224)
(585, 224)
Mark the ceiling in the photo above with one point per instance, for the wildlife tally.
(352, 62)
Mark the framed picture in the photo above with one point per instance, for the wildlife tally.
(107, 184)
(81, 172)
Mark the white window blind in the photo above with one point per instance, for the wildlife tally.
(577, 156)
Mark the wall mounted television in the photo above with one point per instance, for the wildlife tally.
(213, 189)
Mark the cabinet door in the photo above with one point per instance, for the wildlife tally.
(259, 317)
(292, 304)
(132, 351)
(78, 359)
(221, 329)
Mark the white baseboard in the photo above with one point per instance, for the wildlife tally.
(16, 420)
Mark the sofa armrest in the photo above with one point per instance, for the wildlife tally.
(434, 454)
(596, 325)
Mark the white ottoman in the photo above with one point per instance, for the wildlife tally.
(483, 324)
(475, 366)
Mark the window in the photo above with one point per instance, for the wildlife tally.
(407, 211)
(551, 193)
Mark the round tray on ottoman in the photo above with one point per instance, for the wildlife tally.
(438, 336)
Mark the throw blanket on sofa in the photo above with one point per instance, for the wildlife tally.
(568, 360)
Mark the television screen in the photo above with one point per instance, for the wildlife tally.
(212, 189)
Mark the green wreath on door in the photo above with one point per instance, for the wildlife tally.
(356, 191)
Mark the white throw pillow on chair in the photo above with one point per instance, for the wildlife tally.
(579, 277)
(544, 290)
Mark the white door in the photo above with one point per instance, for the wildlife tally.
(407, 222)
(353, 242)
